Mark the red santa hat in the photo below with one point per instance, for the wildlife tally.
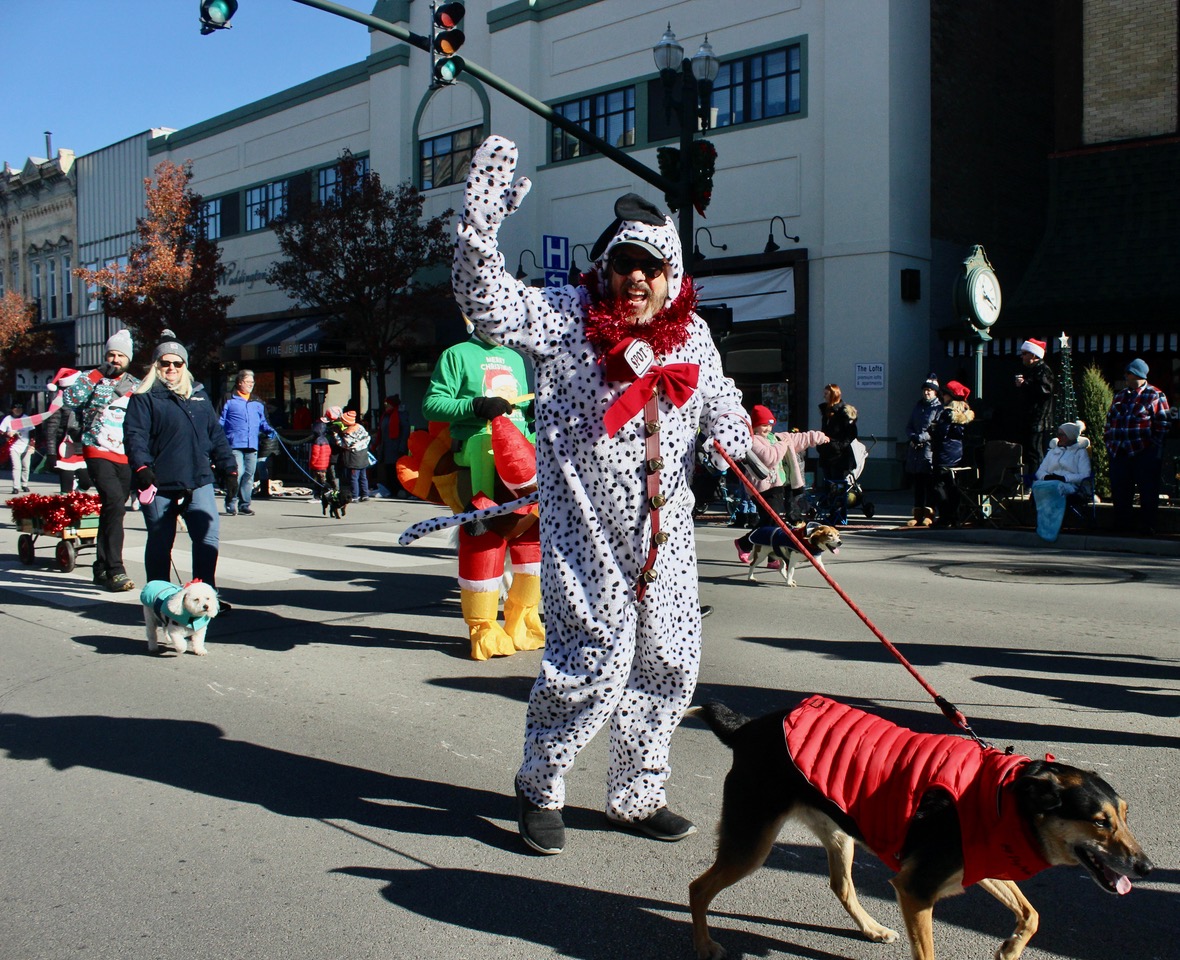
(760, 415)
(1035, 347)
(957, 390)
(516, 459)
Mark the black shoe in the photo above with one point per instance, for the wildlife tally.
(706, 610)
(231, 513)
(224, 606)
(100, 575)
(246, 512)
(542, 830)
(362, 499)
(661, 825)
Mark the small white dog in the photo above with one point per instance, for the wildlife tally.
(183, 612)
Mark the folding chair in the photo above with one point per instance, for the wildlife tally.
(1001, 477)
(1082, 505)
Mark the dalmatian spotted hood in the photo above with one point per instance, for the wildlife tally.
(640, 223)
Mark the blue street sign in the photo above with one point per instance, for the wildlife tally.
(556, 278)
(555, 252)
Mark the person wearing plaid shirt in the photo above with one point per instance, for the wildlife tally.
(1136, 426)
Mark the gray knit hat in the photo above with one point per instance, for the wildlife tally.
(120, 342)
(174, 347)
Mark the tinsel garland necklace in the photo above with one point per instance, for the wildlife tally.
(612, 320)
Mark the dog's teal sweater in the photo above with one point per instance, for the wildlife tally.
(156, 594)
(878, 772)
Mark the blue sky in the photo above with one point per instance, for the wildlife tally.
(96, 79)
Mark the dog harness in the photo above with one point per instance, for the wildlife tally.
(878, 772)
(157, 593)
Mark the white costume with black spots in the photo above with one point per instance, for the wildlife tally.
(608, 657)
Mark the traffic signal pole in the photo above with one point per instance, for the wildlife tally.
(644, 172)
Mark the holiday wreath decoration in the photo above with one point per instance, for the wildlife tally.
(52, 514)
(704, 162)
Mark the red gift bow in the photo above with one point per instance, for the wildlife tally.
(677, 380)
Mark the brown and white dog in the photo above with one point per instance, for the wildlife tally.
(818, 537)
(941, 811)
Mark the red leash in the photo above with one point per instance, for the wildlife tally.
(949, 710)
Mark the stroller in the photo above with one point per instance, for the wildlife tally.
(831, 503)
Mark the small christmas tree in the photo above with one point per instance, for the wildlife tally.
(1067, 401)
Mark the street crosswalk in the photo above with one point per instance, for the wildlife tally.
(245, 562)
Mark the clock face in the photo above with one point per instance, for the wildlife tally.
(984, 296)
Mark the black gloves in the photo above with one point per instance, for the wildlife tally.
(488, 408)
(144, 477)
(231, 485)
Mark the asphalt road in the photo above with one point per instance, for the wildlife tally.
(334, 779)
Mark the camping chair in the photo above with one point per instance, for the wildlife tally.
(1082, 506)
(1001, 476)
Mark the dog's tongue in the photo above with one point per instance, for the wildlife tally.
(1122, 885)
(835, 550)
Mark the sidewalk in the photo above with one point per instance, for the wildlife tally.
(895, 507)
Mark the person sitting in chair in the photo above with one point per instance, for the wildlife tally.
(1065, 468)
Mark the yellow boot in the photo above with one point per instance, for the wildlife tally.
(488, 638)
(522, 619)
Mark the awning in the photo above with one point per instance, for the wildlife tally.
(765, 295)
(275, 339)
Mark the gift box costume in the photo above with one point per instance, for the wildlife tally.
(615, 429)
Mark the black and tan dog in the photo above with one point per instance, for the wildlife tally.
(335, 502)
(817, 537)
(941, 811)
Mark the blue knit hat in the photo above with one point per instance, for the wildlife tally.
(1137, 368)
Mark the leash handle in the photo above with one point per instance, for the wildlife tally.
(949, 710)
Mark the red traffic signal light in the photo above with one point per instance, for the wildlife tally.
(445, 40)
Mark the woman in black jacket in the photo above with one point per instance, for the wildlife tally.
(836, 459)
(171, 435)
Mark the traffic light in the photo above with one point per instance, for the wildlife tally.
(216, 14)
(445, 40)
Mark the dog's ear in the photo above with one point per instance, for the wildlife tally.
(175, 604)
(1038, 788)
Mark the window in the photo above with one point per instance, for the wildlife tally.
(609, 116)
(92, 298)
(1, 283)
(444, 160)
(52, 277)
(327, 178)
(67, 284)
(757, 87)
(265, 203)
(210, 219)
(37, 290)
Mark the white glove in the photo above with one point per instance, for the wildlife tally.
(491, 195)
(733, 433)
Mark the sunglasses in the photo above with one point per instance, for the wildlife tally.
(625, 266)
(165, 364)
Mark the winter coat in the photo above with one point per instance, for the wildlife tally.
(769, 452)
(878, 772)
(176, 437)
(354, 447)
(946, 433)
(1072, 462)
(321, 447)
(1036, 397)
(243, 420)
(919, 457)
(839, 423)
(797, 445)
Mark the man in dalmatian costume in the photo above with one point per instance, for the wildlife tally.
(626, 375)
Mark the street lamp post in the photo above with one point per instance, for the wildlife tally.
(688, 89)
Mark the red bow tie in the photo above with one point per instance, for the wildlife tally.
(677, 380)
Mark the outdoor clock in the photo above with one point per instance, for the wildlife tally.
(977, 293)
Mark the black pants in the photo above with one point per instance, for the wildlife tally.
(947, 496)
(113, 483)
(1128, 471)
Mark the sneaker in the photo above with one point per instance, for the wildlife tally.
(246, 512)
(743, 555)
(542, 830)
(362, 499)
(224, 606)
(120, 583)
(661, 825)
(25, 490)
(774, 563)
(16, 490)
(100, 575)
(706, 610)
(231, 513)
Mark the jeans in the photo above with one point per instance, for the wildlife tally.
(113, 483)
(247, 461)
(359, 481)
(204, 527)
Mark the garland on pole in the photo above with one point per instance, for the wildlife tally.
(704, 163)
